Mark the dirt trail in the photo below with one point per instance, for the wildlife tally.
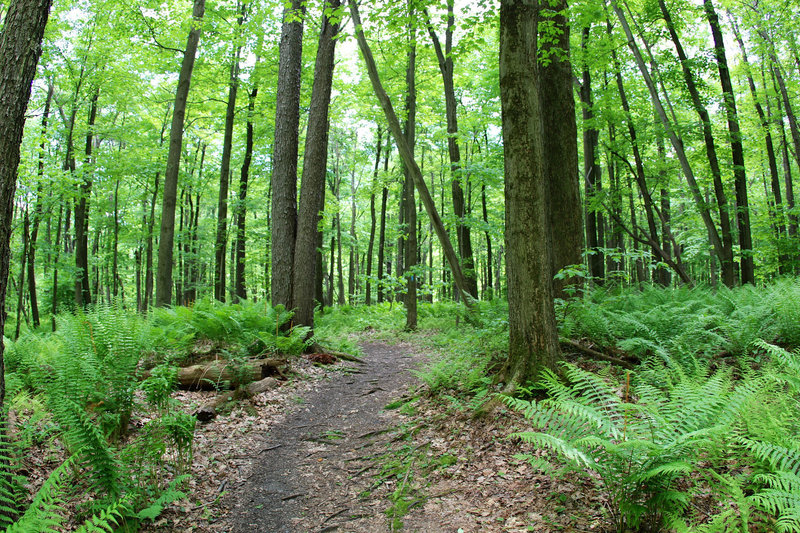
(316, 462)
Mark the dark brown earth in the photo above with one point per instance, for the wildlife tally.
(317, 461)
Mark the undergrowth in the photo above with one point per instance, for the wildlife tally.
(71, 396)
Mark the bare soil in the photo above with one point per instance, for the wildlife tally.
(324, 454)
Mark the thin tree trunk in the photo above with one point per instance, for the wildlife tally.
(166, 240)
(591, 172)
(726, 255)
(83, 295)
(240, 286)
(407, 155)
(37, 212)
(747, 271)
(409, 132)
(372, 217)
(382, 233)
(221, 242)
(26, 226)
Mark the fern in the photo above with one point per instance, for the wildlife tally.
(107, 520)
(44, 513)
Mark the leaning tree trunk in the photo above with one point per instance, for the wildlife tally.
(20, 48)
(166, 240)
(408, 157)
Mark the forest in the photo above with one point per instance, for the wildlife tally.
(576, 219)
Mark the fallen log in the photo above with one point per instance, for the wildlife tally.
(221, 374)
(209, 410)
(597, 355)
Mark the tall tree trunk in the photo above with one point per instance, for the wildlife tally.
(561, 145)
(382, 233)
(20, 48)
(372, 217)
(166, 240)
(83, 295)
(115, 248)
(407, 155)
(533, 338)
(312, 184)
(747, 270)
(38, 211)
(591, 171)
(241, 209)
(726, 255)
(446, 68)
(221, 242)
(352, 265)
(409, 132)
(284, 169)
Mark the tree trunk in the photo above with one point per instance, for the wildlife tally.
(747, 270)
(726, 254)
(83, 295)
(407, 155)
(284, 169)
(446, 68)
(20, 48)
(239, 284)
(166, 240)
(37, 212)
(221, 243)
(312, 184)
(372, 218)
(591, 172)
(409, 132)
(533, 338)
(26, 225)
(561, 145)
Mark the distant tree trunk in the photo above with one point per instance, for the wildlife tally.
(407, 155)
(83, 295)
(56, 255)
(167, 234)
(20, 48)
(726, 257)
(26, 226)
(533, 338)
(38, 211)
(446, 68)
(747, 271)
(591, 172)
(489, 278)
(115, 248)
(312, 184)
(221, 242)
(409, 132)
(372, 218)
(241, 209)
(561, 145)
(284, 168)
(352, 265)
(382, 233)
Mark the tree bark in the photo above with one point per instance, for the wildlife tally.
(409, 132)
(533, 338)
(83, 295)
(747, 268)
(166, 240)
(561, 145)
(20, 48)
(284, 169)
(315, 160)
